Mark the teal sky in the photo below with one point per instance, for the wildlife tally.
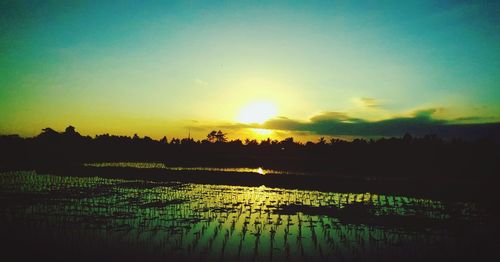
(167, 68)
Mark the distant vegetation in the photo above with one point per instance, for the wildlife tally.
(407, 156)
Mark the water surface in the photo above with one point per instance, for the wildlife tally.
(196, 221)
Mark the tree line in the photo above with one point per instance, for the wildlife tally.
(395, 156)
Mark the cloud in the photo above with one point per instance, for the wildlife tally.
(476, 119)
(340, 124)
(367, 102)
(419, 123)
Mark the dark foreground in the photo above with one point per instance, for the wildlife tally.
(88, 218)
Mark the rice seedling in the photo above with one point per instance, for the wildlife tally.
(193, 221)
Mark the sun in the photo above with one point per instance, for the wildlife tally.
(257, 112)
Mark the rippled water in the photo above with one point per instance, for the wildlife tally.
(195, 221)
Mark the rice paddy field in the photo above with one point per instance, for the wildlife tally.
(92, 218)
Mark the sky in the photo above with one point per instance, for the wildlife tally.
(251, 68)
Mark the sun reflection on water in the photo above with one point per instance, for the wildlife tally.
(140, 165)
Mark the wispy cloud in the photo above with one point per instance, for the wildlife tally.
(367, 102)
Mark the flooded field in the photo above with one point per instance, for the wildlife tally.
(164, 220)
(149, 165)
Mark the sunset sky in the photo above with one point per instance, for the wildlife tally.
(251, 68)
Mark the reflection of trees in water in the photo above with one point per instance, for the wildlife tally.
(230, 222)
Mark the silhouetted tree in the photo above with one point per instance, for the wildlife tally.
(212, 136)
(70, 131)
(252, 142)
(236, 142)
(407, 138)
(266, 142)
(187, 141)
(287, 142)
(221, 137)
(48, 132)
(216, 136)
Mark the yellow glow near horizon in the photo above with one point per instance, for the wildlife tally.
(257, 113)
(262, 131)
